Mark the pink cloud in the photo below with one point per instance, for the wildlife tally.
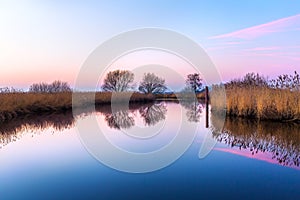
(282, 25)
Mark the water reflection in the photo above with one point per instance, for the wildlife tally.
(152, 114)
(13, 130)
(122, 117)
(282, 140)
(119, 119)
(193, 107)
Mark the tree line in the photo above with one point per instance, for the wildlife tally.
(56, 86)
(122, 80)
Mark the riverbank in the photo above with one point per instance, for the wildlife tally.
(14, 105)
(258, 102)
(175, 96)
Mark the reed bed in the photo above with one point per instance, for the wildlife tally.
(13, 105)
(254, 96)
(259, 102)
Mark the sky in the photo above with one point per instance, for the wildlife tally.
(43, 41)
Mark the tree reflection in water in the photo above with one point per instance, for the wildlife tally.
(123, 118)
(152, 114)
(194, 109)
(282, 140)
(119, 119)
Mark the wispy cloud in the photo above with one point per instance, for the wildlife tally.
(224, 45)
(264, 48)
(274, 45)
(282, 25)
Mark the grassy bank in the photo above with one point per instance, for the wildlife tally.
(175, 96)
(259, 102)
(13, 105)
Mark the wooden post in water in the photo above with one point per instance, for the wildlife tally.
(206, 110)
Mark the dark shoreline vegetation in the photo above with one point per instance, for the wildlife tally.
(251, 97)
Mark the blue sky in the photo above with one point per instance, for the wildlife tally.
(49, 40)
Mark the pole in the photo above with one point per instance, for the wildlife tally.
(207, 108)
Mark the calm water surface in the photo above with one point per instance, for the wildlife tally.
(42, 157)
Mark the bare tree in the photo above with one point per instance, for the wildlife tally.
(194, 81)
(118, 81)
(59, 86)
(152, 84)
(56, 86)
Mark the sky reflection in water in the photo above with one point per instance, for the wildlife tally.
(43, 157)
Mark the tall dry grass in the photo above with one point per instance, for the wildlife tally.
(260, 102)
(13, 105)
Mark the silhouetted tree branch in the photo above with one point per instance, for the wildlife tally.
(118, 81)
(56, 86)
(194, 81)
(152, 84)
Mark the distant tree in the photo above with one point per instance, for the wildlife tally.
(194, 81)
(59, 86)
(118, 81)
(10, 90)
(152, 84)
(56, 86)
(39, 87)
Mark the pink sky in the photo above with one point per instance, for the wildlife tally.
(40, 46)
(271, 49)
